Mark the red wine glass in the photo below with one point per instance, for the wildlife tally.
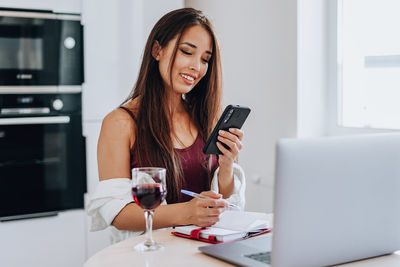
(149, 191)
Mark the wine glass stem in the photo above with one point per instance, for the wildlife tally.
(148, 215)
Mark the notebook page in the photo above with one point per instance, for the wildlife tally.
(244, 221)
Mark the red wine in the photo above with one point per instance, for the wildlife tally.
(148, 196)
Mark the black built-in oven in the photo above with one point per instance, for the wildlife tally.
(40, 49)
(42, 154)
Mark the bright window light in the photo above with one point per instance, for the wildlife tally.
(369, 63)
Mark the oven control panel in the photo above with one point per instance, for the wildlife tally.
(39, 104)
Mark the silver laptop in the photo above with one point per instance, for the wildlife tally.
(337, 199)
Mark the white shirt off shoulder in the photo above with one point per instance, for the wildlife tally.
(112, 195)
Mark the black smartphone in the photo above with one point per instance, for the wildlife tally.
(233, 117)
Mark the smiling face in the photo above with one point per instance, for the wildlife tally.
(191, 61)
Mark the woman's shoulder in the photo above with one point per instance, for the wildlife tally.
(118, 124)
(121, 121)
(118, 118)
(123, 116)
(116, 139)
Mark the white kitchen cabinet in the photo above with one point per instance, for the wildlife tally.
(44, 242)
(91, 131)
(112, 47)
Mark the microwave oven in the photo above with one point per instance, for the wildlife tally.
(42, 50)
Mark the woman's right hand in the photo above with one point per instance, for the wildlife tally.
(205, 212)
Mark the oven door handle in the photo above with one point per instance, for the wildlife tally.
(25, 111)
(35, 120)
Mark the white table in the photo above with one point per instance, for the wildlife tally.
(183, 252)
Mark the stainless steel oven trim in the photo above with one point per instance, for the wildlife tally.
(35, 120)
(23, 89)
(28, 216)
(39, 15)
(19, 111)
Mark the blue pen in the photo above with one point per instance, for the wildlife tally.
(193, 194)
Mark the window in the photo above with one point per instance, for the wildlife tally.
(369, 63)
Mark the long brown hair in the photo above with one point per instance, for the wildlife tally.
(154, 145)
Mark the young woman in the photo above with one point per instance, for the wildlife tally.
(164, 123)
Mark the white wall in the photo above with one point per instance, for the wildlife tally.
(258, 43)
(153, 10)
(115, 34)
(312, 68)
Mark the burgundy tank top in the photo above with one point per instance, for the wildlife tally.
(194, 165)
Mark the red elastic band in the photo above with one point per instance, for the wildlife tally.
(195, 233)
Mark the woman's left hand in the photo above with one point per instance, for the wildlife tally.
(233, 139)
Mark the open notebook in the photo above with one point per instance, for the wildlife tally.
(231, 226)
